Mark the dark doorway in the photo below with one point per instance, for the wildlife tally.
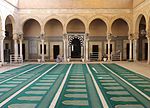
(76, 48)
(6, 55)
(146, 51)
(95, 48)
(94, 54)
(128, 50)
(55, 51)
(107, 48)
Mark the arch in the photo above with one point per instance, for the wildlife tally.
(121, 32)
(53, 17)
(76, 25)
(100, 25)
(82, 19)
(55, 30)
(126, 19)
(104, 19)
(28, 18)
(140, 24)
(12, 21)
(29, 31)
(137, 21)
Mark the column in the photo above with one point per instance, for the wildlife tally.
(108, 40)
(15, 38)
(20, 41)
(148, 39)
(65, 40)
(84, 48)
(42, 59)
(67, 48)
(135, 50)
(130, 58)
(87, 47)
(2, 48)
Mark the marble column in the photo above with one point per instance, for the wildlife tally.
(2, 49)
(130, 56)
(65, 40)
(84, 48)
(42, 59)
(15, 38)
(20, 42)
(87, 47)
(135, 50)
(148, 39)
(108, 40)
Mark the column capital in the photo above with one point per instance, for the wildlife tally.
(130, 36)
(42, 37)
(15, 36)
(148, 38)
(148, 35)
(2, 37)
(136, 36)
(65, 36)
(20, 36)
(109, 36)
(2, 34)
(87, 36)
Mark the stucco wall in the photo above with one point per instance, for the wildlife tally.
(75, 4)
(137, 2)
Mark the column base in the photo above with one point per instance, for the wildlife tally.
(131, 60)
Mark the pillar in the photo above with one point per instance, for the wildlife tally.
(130, 56)
(87, 47)
(2, 48)
(135, 50)
(20, 42)
(108, 40)
(65, 40)
(148, 39)
(42, 59)
(15, 38)
(42, 37)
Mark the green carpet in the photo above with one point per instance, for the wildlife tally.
(117, 93)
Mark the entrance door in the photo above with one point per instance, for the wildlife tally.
(55, 51)
(75, 48)
(146, 51)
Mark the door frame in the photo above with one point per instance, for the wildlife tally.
(61, 51)
(99, 43)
